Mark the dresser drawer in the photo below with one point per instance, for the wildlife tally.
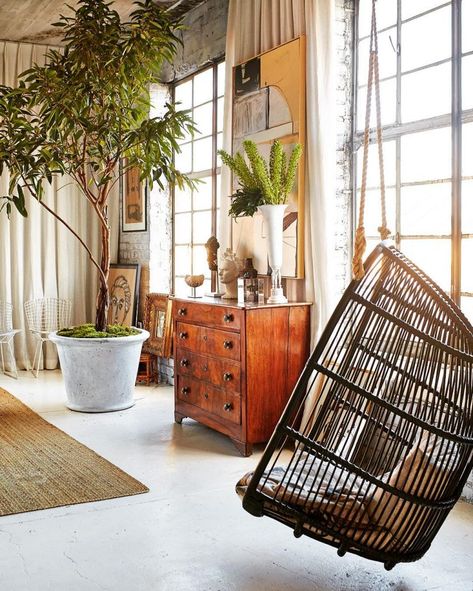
(208, 341)
(221, 403)
(216, 316)
(219, 372)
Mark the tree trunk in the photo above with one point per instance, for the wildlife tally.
(103, 296)
(102, 308)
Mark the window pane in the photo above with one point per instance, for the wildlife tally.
(467, 77)
(467, 307)
(432, 257)
(467, 267)
(373, 211)
(467, 19)
(182, 228)
(387, 56)
(221, 79)
(426, 93)
(386, 11)
(181, 289)
(220, 107)
(219, 147)
(427, 39)
(203, 154)
(203, 194)
(182, 200)
(182, 261)
(467, 207)
(199, 257)
(413, 7)
(389, 151)
(202, 226)
(387, 91)
(184, 158)
(426, 155)
(203, 119)
(426, 209)
(183, 95)
(467, 149)
(203, 87)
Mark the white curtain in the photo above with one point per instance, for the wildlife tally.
(38, 256)
(254, 26)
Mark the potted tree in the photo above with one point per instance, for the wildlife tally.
(85, 114)
(265, 187)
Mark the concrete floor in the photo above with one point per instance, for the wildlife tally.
(189, 533)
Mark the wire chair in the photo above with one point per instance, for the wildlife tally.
(380, 424)
(45, 315)
(7, 334)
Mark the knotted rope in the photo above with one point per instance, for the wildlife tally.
(373, 77)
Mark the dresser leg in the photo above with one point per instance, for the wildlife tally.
(178, 417)
(246, 449)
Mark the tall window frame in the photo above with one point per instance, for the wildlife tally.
(409, 124)
(196, 212)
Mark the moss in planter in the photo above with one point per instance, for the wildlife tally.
(87, 331)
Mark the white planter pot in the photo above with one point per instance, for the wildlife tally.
(273, 216)
(99, 374)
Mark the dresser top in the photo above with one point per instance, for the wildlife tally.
(234, 303)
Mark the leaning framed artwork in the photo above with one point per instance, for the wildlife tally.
(134, 197)
(158, 322)
(123, 285)
(269, 104)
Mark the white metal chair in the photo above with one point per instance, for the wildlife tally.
(45, 315)
(7, 333)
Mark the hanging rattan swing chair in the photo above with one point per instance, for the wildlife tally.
(376, 442)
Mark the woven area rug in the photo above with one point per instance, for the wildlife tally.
(42, 467)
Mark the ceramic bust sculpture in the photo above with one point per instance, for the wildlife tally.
(230, 268)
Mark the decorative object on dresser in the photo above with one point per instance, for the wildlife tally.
(194, 281)
(211, 246)
(264, 187)
(229, 375)
(230, 268)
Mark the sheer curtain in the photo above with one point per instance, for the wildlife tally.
(255, 26)
(38, 256)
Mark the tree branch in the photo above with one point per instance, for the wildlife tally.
(89, 252)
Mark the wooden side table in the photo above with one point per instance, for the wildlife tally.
(147, 369)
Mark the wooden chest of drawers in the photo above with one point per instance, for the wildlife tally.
(236, 366)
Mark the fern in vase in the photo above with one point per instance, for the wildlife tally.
(261, 183)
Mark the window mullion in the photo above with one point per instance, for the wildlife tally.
(456, 150)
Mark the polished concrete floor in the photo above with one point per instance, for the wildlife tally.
(189, 533)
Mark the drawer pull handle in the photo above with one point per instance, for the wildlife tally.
(205, 337)
(228, 406)
(185, 363)
(185, 391)
(205, 368)
(182, 311)
(227, 345)
(206, 396)
(228, 317)
(227, 376)
(183, 335)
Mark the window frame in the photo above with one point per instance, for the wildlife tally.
(212, 172)
(455, 119)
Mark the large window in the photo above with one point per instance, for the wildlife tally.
(196, 211)
(426, 69)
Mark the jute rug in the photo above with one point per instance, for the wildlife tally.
(42, 467)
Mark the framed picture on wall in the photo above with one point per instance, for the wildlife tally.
(134, 194)
(158, 322)
(123, 283)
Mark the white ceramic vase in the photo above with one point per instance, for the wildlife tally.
(273, 216)
(99, 374)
